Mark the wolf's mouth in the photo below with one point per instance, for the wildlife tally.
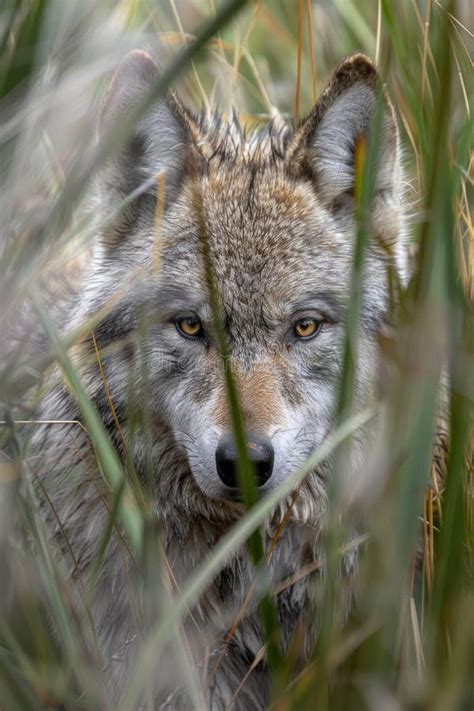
(235, 496)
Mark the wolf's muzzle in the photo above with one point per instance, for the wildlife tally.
(260, 452)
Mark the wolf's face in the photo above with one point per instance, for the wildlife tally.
(271, 219)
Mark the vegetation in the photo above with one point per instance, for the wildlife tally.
(410, 642)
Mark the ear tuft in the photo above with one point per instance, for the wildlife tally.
(156, 146)
(342, 115)
(133, 77)
(356, 69)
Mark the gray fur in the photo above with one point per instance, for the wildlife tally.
(281, 246)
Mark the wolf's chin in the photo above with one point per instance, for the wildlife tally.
(307, 508)
(189, 498)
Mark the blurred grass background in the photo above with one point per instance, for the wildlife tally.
(411, 642)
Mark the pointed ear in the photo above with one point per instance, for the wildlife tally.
(326, 139)
(156, 145)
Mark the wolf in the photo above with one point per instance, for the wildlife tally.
(271, 216)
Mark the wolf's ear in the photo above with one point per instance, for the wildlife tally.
(326, 139)
(156, 145)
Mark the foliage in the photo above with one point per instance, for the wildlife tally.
(410, 643)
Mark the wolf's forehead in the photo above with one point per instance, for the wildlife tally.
(257, 187)
(256, 214)
(269, 239)
(267, 231)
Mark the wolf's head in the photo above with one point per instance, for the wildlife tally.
(271, 217)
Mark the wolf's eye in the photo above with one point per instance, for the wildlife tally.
(307, 328)
(190, 327)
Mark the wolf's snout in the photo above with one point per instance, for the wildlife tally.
(260, 452)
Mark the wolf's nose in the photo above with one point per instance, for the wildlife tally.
(260, 452)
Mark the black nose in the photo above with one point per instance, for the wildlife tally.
(260, 452)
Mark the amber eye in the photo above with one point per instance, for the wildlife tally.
(190, 327)
(307, 328)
